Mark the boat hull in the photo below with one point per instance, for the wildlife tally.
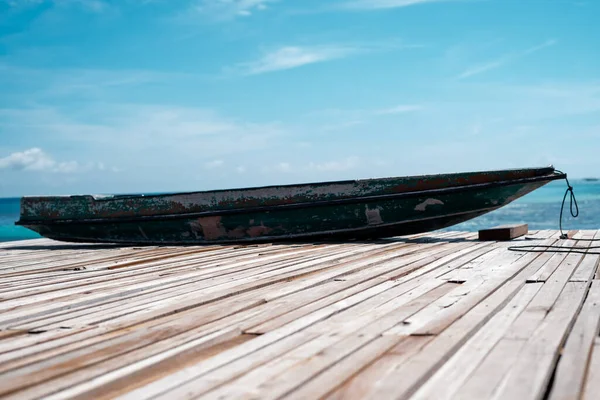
(341, 218)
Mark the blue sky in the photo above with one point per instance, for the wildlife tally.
(100, 96)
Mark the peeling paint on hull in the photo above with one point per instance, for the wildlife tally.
(338, 215)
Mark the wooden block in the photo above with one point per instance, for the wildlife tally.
(503, 232)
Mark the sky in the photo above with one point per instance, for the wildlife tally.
(131, 96)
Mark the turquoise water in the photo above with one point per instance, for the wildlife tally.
(539, 209)
(9, 213)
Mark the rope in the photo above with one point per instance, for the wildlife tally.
(574, 213)
(544, 249)
(572, 201)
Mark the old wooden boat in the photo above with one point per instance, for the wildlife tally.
(371, 208)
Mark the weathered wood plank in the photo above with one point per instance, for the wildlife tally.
(372, 376)
(501, 360)
(335, 343)
(406, 379)
(277, 322)
(483, 381)
(213, 288)
(529, 377)
(458, 368)
(592, 380)
(261, 342)
(586, 270)
(438, 315)
(202, 315)
(507, 268)
(503, 232)
(572, 367)
(81, 381)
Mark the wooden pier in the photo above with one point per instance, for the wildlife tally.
(431, 316)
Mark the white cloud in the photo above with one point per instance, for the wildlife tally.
(400, 109)
(301, 168)
(293, 56)
(35, 159)
(342, 165)
(288, 57)
(240, 169)
(338, 119)
(284, 167)
(480, 68)
(214, 164)
(21, 3)
(227, 9)
(153, 140)
(385, 4)
(89, 5)
(53, 83)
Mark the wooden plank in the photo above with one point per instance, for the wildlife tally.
(500, 361)
(429, 256)
(589, 265)
(484, 380)
(331, 378)
(156, 256)
(554, 260)
(572, 367)
(110, 389)
(372, 376)
(341, 370)
(335, 348)
(458, 368)
(72, 385)
(410, 375)
(182, 295)
(139, 281)
(592, 381)
(537, 310)
(193, 261)
(587, 269)
(323, 319)
(434, 321)
(447, 308)
(200, 315)
(197, 370)
(503, 232)
(265, 336)
(27, 243)
(401, 300)
(281, 320)
(71, 366)
(106, 342)
(213, 288)
(529, 377)
(496, 258)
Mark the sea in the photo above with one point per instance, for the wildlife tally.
(539, 209)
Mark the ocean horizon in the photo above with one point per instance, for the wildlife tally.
(539, 209)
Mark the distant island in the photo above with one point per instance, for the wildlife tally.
(591, 179)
